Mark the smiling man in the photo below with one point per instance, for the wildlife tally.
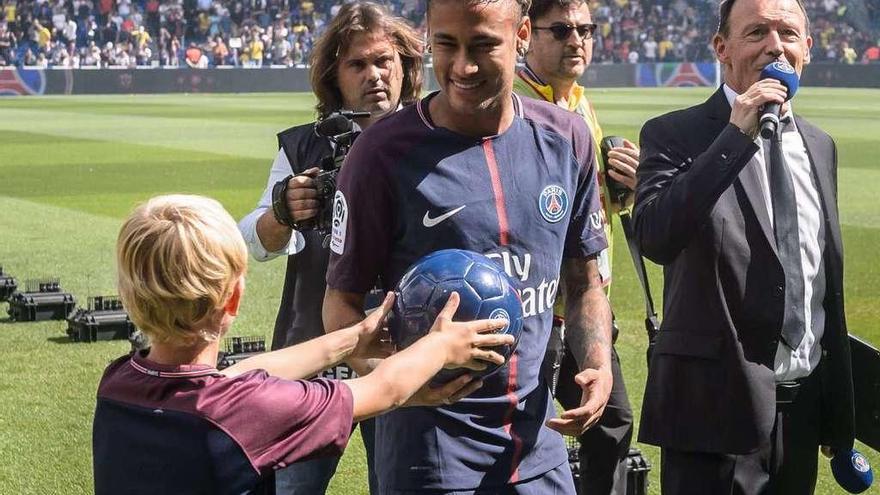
(475, 167)
(751, 369)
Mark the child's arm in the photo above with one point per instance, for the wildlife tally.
(452, 344)
(307, 359)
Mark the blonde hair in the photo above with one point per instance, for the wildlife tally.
(179, 258)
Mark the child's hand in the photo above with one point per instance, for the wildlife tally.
(466, 342)
(373, 340)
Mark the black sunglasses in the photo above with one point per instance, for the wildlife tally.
(561, 32)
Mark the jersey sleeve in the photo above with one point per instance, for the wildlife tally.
(363, 219)
(586, 229)
(278, 422)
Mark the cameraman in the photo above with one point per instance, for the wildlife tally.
(366, 60)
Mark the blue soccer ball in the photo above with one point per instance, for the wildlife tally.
(485, 292)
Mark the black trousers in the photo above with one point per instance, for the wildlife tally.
(786, 465)
(603, 448)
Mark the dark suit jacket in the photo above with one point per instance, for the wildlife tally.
(701, 214)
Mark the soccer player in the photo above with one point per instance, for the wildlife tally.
(167, 421)
(474, 166)
(559, 52)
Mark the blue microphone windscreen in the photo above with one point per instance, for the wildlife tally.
(852, 471)
(783, 72)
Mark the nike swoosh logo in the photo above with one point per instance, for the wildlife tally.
(431, 222)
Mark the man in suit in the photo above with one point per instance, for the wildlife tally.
(751, 369)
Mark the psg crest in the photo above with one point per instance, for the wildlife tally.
(553, 203)
(860, 463)
(783, 66)
(500, 314)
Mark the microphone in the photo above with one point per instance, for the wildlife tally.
(852, 471)
(338, 123)
(783, 72)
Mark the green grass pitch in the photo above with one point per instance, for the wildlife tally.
(72, 167)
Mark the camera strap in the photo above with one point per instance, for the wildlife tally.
(652, 323)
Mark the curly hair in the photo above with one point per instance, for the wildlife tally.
(355, 18)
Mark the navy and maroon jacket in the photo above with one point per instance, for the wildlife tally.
(192, 430)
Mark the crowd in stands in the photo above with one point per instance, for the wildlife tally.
(259, 33)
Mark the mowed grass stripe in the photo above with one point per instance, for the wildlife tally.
(251, 140)
(247, 105)
(107, 178)
(206, 111)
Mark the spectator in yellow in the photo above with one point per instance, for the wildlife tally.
(848, 53)
(665, 48)
(44, 36)
(256, 51)
(142, 37)
(9, 12)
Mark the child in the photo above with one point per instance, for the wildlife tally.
(167, 421)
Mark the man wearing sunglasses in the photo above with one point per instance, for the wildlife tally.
(559, 52)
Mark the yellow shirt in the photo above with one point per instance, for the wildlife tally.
(527, 83)
(44, 36)
(257, 49)
(663, 48)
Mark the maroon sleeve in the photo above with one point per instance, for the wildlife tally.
(278, 422)
(363, 218)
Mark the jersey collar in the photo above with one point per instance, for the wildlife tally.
(140, 363)
(422, 108)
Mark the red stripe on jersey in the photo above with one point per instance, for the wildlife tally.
(508, 419)
(503, 228)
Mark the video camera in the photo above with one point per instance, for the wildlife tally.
(339, 128)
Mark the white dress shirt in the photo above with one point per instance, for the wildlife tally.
(248, 225)
(791, 364)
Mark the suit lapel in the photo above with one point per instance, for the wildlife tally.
(824, 178)
(719, 109)
(750, 179)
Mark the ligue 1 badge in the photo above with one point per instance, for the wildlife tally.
(860, 463)
(553, 203)
(500, 314)
(783, 66)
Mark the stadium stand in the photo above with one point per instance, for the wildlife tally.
(261, 33)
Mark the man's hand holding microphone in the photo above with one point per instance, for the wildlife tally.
(761, 104)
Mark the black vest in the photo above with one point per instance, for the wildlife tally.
(299, 316)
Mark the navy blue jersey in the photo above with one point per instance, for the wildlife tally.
(526, 198)
(192, 430)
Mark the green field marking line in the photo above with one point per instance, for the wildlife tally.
(230, 138)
